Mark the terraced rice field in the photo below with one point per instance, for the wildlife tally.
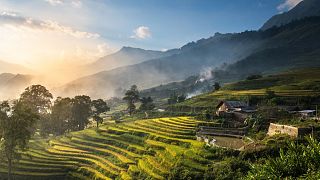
(143, 148)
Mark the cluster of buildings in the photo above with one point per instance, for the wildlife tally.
(238, 111)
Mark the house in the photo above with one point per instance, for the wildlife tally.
(289, 130)
(232, 107)
(307, 113)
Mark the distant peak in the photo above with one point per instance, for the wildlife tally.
(128, 48)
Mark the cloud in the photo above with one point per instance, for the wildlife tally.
(13, 19)
(54, 2)
(141, 32)
(76, 3)
(73, 3)
(288, 4)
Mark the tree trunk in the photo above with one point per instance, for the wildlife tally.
(9, 168)
(97, 124)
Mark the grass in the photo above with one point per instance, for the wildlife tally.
(142, 148)
(291, 83)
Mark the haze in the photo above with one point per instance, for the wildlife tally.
(55, 39)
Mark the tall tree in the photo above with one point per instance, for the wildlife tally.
(61, 115)
(38, 98)
(16, 128)
(146, 104)
(81, 111)
(132, 96)
(98, 107)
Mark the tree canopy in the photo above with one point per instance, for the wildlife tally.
(132, 96)
(17, 125)
(98, 107)
(37, 97)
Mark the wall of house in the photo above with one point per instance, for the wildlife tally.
(290, 130)
(282, 129)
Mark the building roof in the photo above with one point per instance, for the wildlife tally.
(233, 104)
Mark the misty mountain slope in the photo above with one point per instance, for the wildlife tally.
(5, 77)
(295, 47)
(304, 9)
(188, 60)
(11, 85)
(124, 57)
(6, 67)
(292, 46)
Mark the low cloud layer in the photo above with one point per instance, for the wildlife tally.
(288, 4)
(13, 19)
(141, 32)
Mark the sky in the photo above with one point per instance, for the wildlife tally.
(47, 33)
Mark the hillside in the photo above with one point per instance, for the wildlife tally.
(133, 150)
(274, 50)
(292, 83)
(11, 85)
(298, 52)
(293, 46)
(305, 8)
(6, 67)
(124, 57)
(189, 60)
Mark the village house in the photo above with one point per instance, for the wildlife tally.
(227, 107)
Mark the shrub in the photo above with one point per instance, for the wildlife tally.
(232, 168)
(254, 76)
(299, 160)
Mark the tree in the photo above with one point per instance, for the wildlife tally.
(132, 96)
(81, 111)
(216, 86)
(38, 98)
(16, 128)
(61, 115)
(254, 76)
(98, 107)
(146, 104)
(181, 98)
(174, 98)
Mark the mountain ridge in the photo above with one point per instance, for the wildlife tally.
(305, 8)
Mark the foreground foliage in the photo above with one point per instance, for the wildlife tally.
(298, 161)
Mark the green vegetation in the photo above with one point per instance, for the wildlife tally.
(131, 150)
(299, 161)
(16, 128)
(290, 84)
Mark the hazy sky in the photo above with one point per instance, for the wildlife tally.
(50, 32)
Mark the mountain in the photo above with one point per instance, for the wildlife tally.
(292, 46)
(188, 60)
(295, 45)
(124, 57)
(304, 9)
(6, 67)
(12, 85)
